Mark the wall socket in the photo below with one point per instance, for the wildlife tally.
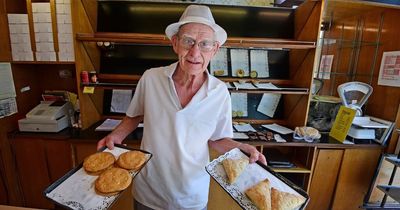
(65, 73)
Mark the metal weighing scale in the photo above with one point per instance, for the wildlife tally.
(354, 95)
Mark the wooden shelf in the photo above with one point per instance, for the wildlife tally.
(108, 85)
(298, 169)
(44, 62)
(114, 81)
(260, 122)
(119, 77)
(300, 91)
(159, 39)
(260, 80)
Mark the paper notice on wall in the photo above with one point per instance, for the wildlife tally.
(7, 89)
(268, 104)
(259, 62)
(239, 104)
(389, 73)
(219, 64)
(120, 100)
(239, 63)
(325, 67)
(8, 107)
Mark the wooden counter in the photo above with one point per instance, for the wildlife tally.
(326, 169)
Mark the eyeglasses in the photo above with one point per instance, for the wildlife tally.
(204, 46)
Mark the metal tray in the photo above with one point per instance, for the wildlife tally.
(75, 190)
(253, 174)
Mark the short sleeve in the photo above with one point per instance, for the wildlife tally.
(136, 107)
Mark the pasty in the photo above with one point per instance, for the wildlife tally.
(131, 160)
(234, 167)
(98, 162)
(112, 181)
(260, 195)
(284, 200)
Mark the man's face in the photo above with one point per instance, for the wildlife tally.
(195, 46)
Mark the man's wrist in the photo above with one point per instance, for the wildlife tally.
(239, 145)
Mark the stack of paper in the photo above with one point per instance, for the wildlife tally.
(43, 27)
(108, 125)
(20, 39)
(64, 27)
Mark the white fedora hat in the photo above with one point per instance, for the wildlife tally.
(197, 14)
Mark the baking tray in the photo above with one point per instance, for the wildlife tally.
(252, 174)
(75, 190)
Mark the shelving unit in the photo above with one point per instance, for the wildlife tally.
(390, 189)
(295, 40)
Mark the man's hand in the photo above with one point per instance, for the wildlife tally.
(108, 141)
(255, 155)
(226, 144)
(127, 125)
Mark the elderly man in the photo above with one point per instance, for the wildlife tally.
(185, 111)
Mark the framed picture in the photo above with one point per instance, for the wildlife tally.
(389, 72)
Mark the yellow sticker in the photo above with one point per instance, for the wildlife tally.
(342, 123)
(88, 90)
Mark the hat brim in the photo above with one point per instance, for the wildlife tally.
(220, 33)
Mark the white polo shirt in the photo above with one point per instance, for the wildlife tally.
(175, 178)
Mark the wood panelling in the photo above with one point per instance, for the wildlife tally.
(59, 158)
(386, 96)
(394, 145)
(31, 164)
(307, 19)
(360, 43)
(343, 9)
(87, 59)
(357, 170)
(83, 150)
(324, 178)
(3, 187)
(91, 12)
(218, 198)
(40, 162)
(5, 52)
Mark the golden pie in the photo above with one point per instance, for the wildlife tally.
(260, 195)
(112, 181)
(234, 167)
(284, 200)
(98, 162)
(131, 160)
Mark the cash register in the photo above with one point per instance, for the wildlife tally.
(48, 116)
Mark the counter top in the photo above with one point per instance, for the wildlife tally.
(90, 135)
(3, 207)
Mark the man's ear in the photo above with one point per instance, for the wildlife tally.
(174, 41)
